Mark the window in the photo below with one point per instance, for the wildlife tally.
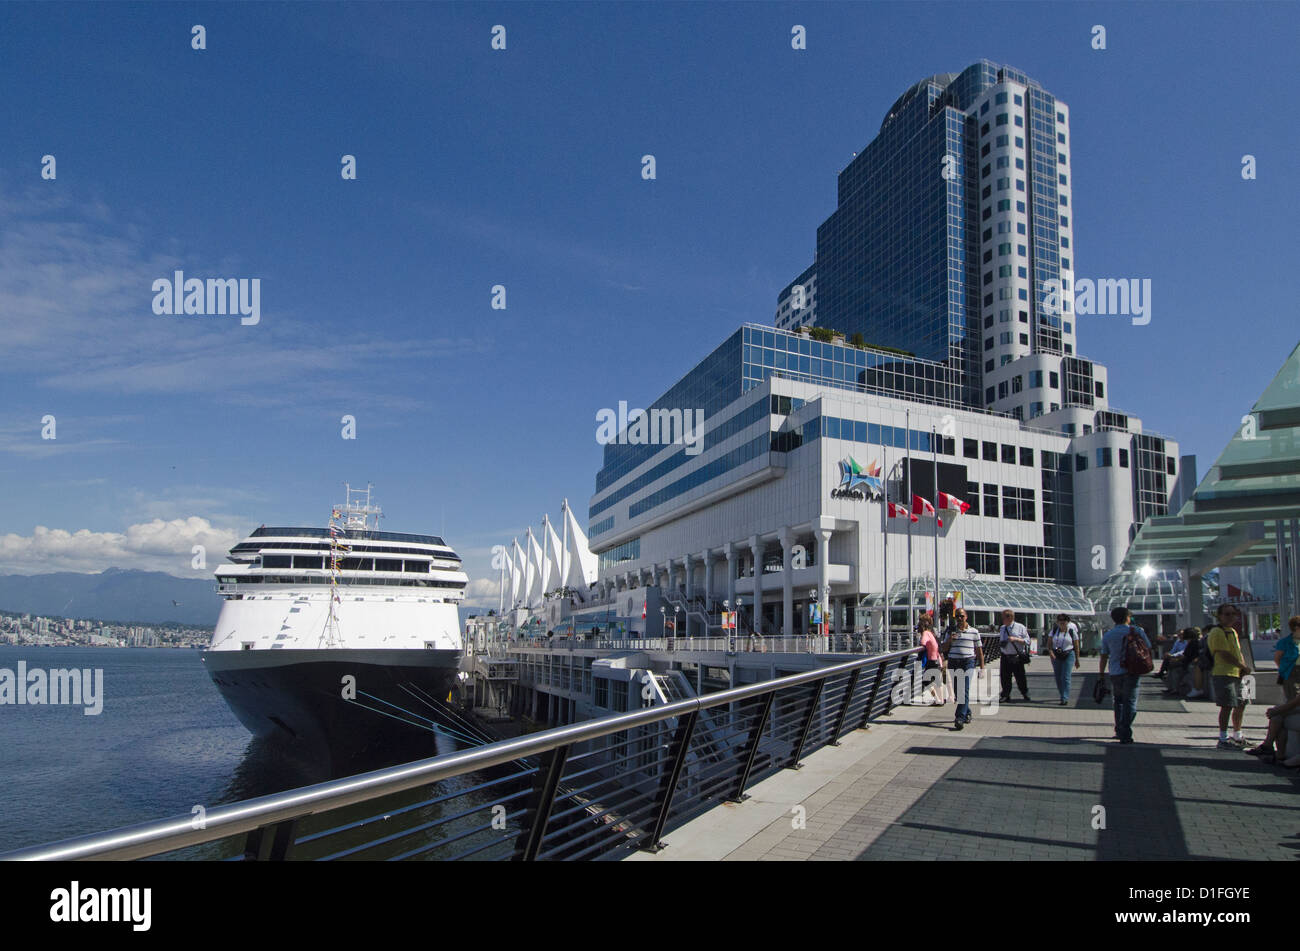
(1020, 227)
(1001, 119)
(1061, 177)
(984, 172)
(601, 686)
(1008, 454)
(1022, 273)
(1101, 390)
(1060, 158)
(986, 214)
(988, 190)
(1020, 100)
(1020, 207)
(1002, 162)
(970, 448)
(984, 151)
(1080, 462)
(972, 497)
(989, 396)
(984, 129)
(1004, 316)
(1020, 122)
(1065, 221)
(1004, 338)
(988, 321)
(1018, 503)
(990, 452)
(988, 366)
(1002, 141)
(1024, 340)
(1004, 248)
(1004, 270)
(1065, 200)
(1026, 456)
(1020, 164)
(984, 108)
(1024, 316)
(1020, 250)
(1169, 465)
(1020, 143)
(1002, 390)
(1103, 457)
(988, 234)
(990, 500)
(984, 558)
(1060, 137)
(1022, 294)
(1060, 117)
(1055, 407)
(1017, 383)
(1004, 204)
(1065, 242)
(1065, 264)
(1000, 99)
(1123, 459)
(1035, 379)
(1004, 227)
(988, 345)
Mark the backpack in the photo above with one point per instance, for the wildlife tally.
(1204, 656)
(1137, 656)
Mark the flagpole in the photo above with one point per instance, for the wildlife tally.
(884, 527)
(546, 541)
(907, 443)
(934, 451)
(564, 551)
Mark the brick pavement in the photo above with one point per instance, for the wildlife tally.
(1022, 783)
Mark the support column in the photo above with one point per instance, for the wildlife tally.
(1195, 598)
(787, 581)
(707, 557)
(756, 546)
(731, 575)
(688, 566)
(824, 567)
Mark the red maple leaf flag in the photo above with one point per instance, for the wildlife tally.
(900, 511)
(921, 507)
(947, 501)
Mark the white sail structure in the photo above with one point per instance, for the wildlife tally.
(516, 572)
(554, 557)
(581, 568)
(534, 571)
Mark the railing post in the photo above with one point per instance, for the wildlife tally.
(844, 707)
(751, 750)
(270, 843)
(530, 839)
(875, 687)
(668, 785)
(807, 724)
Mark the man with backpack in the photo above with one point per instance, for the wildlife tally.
(1126, 656)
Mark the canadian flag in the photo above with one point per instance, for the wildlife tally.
(643, 610)
(921, 507)
(900, 511)
(947, 501)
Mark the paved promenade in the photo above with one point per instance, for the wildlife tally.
(1025, 782)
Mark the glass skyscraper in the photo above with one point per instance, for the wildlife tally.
(952, 227)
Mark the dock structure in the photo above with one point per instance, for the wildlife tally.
(567, 680)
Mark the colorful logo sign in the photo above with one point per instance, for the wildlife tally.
(859, 482)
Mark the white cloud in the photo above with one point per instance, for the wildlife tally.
(157, 545)
(483, 588)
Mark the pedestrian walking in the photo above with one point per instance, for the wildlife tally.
(1063, 641)
(1013, 640)
(965, 653)
(1229, 667)
(1121, 659)
(931, 659)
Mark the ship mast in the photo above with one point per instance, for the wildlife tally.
(352, 516)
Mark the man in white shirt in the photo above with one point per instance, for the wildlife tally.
(1011, 634)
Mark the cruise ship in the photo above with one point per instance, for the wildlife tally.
(345, 639)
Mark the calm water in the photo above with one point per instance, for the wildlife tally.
(165, 742)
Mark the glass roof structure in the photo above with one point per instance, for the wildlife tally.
(1032, 596)
(1143, 592)
(1231, 516)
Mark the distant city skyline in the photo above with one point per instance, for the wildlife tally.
(521, 169)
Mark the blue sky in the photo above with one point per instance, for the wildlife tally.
(522, 168)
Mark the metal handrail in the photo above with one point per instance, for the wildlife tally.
(250, 816)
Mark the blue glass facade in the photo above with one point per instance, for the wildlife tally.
(898, 260)
(743, 361)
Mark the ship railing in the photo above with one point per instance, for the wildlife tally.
(598, 789)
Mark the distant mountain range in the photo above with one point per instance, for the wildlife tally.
(123, 595)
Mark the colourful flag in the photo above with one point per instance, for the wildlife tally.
(921, 507)
(947, 501)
